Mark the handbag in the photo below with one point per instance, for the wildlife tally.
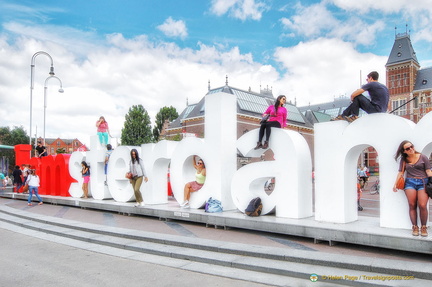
(265, 119)
(25, 188)
(129, 175)
(400, 183)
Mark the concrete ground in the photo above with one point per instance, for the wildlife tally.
(28, 261)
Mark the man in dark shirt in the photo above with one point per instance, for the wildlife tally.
(41, 150)
(378, 103)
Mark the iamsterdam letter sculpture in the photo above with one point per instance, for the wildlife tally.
(337, 148)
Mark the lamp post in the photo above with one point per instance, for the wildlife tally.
(45, 96)
(32, 66)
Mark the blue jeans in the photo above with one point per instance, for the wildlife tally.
(18, 186)
(415, 183)
(361, 102)
(35, 190)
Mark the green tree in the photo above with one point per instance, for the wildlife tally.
(12, 137)
(165, 113)
(137, 127)
(60, 150)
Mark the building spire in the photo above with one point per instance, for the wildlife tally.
(209, 85)
(226, 80)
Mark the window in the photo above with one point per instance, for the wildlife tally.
(396, 104)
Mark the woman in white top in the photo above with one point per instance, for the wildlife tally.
(33, 182)
(136, 167)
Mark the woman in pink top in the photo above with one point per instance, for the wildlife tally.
(278, 116)
(102, 131)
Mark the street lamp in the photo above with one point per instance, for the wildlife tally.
(45, 101)
(51, 72)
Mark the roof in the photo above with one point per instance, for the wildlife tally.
(402, 51)
(423, 80)
(52, 140)
(325, 111)
(248, 103)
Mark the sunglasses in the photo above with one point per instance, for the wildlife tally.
(200, 162)
(408, 148)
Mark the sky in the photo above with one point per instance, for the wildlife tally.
(110, 54)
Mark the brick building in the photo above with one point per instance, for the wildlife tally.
(68, 145)
(410, 86)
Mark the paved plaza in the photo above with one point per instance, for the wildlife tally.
(23, 250)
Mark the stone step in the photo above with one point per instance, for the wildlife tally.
(288, 263)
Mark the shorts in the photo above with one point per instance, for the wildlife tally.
(195, 185)
(86, 179)
(415, 183)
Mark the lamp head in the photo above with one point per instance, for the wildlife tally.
(51, 72)
(61, 90)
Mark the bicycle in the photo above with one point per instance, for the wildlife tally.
(375, 188)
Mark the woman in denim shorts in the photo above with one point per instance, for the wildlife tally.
(418, 169)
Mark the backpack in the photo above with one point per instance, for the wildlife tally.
(213, 205)
(255, 207)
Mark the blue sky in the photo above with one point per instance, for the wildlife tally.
(111, 55)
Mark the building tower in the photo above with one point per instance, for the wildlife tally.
(401, 69)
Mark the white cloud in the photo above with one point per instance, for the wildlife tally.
(319, 70)
(239, 9)
(112, 77)
(316, 20)
(417, 14)
(172, 28)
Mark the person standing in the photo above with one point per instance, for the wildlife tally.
(277, 119)
(17, 178)
(25, 173)
(136, 167)
(33, 182)
(418, 169)
(362, 173)
(196, 185)
(41, 150)
(85, 171)
(102, 131)
(378, 103)
(107, 156)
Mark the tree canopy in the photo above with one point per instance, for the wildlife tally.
(165, 113)
(12, 137)
(137, 127)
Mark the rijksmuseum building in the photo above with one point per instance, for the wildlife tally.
(410, 89)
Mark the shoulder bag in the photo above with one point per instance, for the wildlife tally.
(400, 184)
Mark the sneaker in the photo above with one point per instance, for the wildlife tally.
(142, 204)
(137, 204)
(339, 118)
(186, 202)
(352, 118)
(186, 206)
(415, 230)
(424, 232)
(359, 207)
